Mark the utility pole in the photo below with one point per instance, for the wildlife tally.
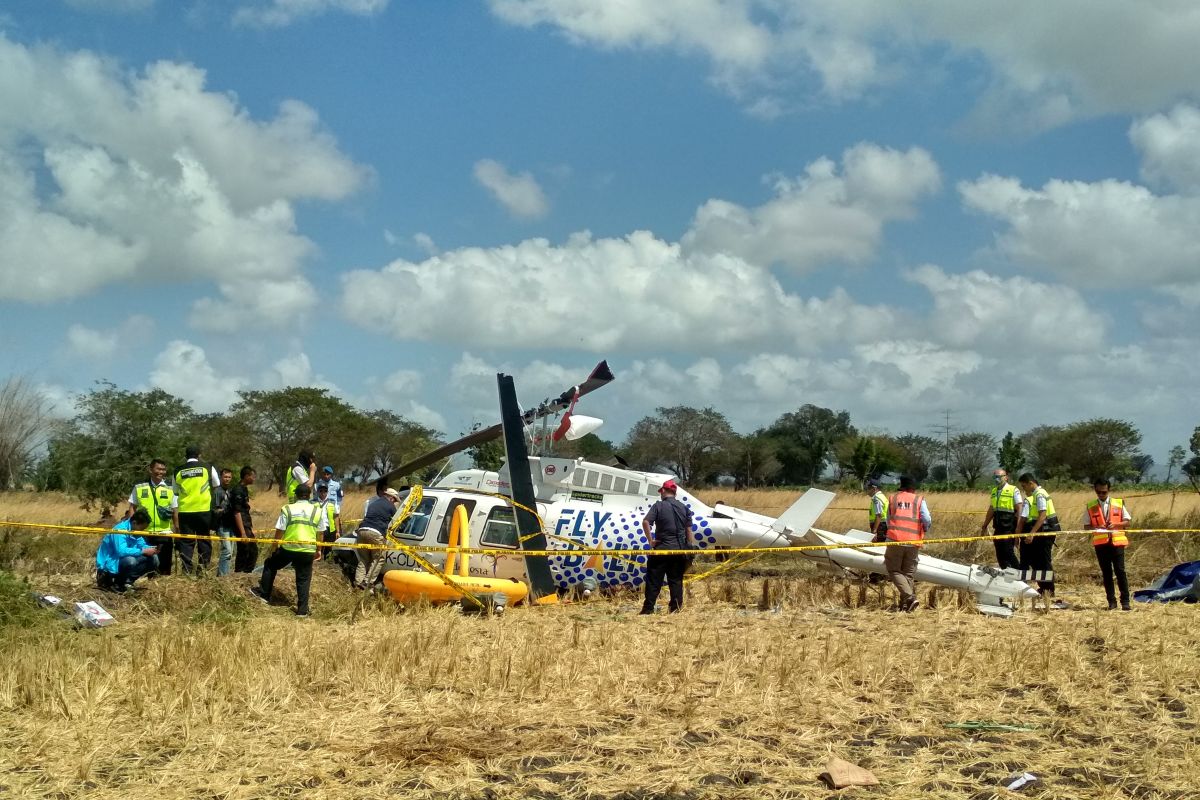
(945, 430)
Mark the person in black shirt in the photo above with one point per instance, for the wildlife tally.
(668, 526)
(246, 557)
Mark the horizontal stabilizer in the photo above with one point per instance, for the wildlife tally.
(803, 513)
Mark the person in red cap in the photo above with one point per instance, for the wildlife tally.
(668, 526)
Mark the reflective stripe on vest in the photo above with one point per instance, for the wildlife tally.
(1115, 535)
(157, 502)
(1032, 513)
(1003, 499)
(300, 534)
(904, 518)
(291, 483)
(330, 509)
(193, 484)
(883, 502)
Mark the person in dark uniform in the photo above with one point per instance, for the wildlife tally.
(1039, 517)
(668, 526)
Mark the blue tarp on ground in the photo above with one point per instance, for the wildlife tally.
(1182, 582)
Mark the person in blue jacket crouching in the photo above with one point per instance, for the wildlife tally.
(123, 557)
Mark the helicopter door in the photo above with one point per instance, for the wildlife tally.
(443, 537)
(411, 531)
(499, 533)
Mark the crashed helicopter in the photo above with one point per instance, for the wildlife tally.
(587, 506)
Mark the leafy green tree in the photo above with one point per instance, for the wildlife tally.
(283, 422)
(376, 442)
(752, 460)
(589, 447)
(104, 450)
(804, 440)
(917, 455)
(692, 443)
(488, 455)
(971, 454)
(868, 456)
(1175, 460)
(1011, 455)
(1083, 450)
(1192, 467)
(1141, 465)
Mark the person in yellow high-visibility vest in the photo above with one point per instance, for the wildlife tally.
(157, 498)
(194, 483)
(1107, 518)
(300, 525)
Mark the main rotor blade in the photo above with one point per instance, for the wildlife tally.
(600, 376)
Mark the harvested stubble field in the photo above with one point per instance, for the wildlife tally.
(198, 692)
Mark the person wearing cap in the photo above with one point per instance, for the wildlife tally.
(194, 484)
(332, 515)
(333, 487)
(877, 512)
(668, 526)
(371, 529)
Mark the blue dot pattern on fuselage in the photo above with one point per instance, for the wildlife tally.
(622, 531)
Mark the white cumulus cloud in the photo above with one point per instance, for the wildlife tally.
(183, 369)
(1043, 65)
(826, 214)
(519, 193)
(151, 180)
(1169, 146)
(279, 13)
(597, 294)
(1107, 233)
(92, 344)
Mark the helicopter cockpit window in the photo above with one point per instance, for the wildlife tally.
(500, 530)
(414, 527)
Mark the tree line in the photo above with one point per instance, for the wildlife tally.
(100, 452)
(813, 444)
(103, 450)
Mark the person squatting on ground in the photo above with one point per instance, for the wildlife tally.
(246, 557)
(223, 522)
(1039, 517)
(299, 526)
(371, 529)
(1107, 518)
(194, 482)
(302, 473)
(122, 556)
(668, 526)
(1003, 504)
(908, 522)
(158, 499)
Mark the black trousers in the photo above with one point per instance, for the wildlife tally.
(1038, 554)
(245, 555)
(1112, 565)
(301, 562)
(166, 552)
(668, 568)
(196, 523)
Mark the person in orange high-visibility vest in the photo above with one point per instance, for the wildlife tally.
(908, 522)
(1107, 518)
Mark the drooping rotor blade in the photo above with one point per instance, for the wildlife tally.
(529, 527)
(601, 375)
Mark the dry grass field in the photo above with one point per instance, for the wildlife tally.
(198, 692)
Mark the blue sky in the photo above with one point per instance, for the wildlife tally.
(749, 204)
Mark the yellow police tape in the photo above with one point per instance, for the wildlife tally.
(81, 530)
